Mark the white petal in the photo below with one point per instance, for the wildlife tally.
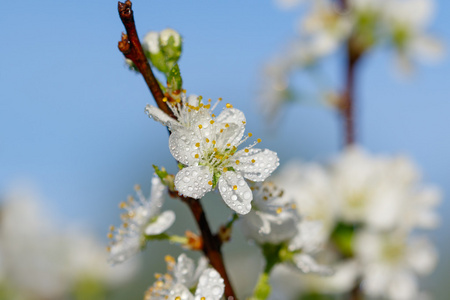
(265, 162)
(161, 224)
(210, 285)
(184, 270)
(307, 264)
(157, 195)
(180, 291)
(235, 192)
(193, 181)
(182, 146)
(233, 116)
(159, 116)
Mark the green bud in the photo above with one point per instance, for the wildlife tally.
(166, 178)
(174, 81)
(170, 43)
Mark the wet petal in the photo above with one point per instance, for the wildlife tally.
(307, 264)
(210, 286)
(233, 116)
(180, 291)
(235, 192)
(182, 146)
(256, 164)
(161, 224)
(193, 181)
(157, 195)
(158, 115)
(184, 270)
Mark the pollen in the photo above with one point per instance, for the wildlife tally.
(215, 149)
(164, 99)
(221, 130)
(213, 142)
(246, 150)
(210, 182)
(227, 125)
(111, 228)
(293, 206)
(220, 99)
(184, 91)
(200, 126)
(207, 140)
(110, 235)
(211, 122)
(253, 161)
(237, 162)
(250, 134)
(130, 199)
(125, 225)
(258, 140)
(213, 115)
(197, 145)
(234, 187)
(279, 210)
(200, 97)
(177, 298)
(209, 100)
(228, 145)
(228, 105)
(169, 259)
(202, 298)
(225, 169)
(108, 249)
(137, 187)
(122, 205)
(197, 156)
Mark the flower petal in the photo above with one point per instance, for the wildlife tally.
(179, 291)
(210, 286)
(156, 195)
(161, 224)
(193, 181)
(158, 115)
(235, 192)
(233, 116)
(184, 270)
(307, 264)
(256, 164)
(182, 146)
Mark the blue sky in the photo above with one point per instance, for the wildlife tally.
(72, 119)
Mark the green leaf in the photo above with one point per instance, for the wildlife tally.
(174, 81)
(342, 237)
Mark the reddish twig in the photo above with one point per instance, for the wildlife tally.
(211, 243)
(131, 48)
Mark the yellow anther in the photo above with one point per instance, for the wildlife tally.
(243, 122)
(228, 145)
(250, 134)
(293, 206)
(202, 298)
(125, 225)
(207, 106)
(210, 182)
(177, 298)
(213, 142)
(246, 150)
(258, 140)
(211, 122)
(197, 145)
(200, 126)
(200, 105)
(265, 198)
(137, 187)
(200, 97)
(221, 130)
(111, 228)
(207, 140)
(209, 100)
(234, 187)
(225, 169)
(197, 156)
(227, 125)
(220, 99)
(213, 115)
(160, 284)
(279, 210)
(165, 99)
(130, 199)
(215, 149)
(253, 161)
(158, 276)
(122, 205)
(184, 91)
(228, 105)
(110, 235)
(237, 162)
(169, 259)
(108, 249)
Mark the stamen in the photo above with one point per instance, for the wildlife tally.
(228, 105)
(234, 187)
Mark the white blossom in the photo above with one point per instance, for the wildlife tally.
(151, 42)
(273, 218)
(141, 218)
(208, 146)
(182, 276)
(391, 264)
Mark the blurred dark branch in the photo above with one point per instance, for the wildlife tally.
(131, 48)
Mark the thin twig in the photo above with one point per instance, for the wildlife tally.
(131, 48)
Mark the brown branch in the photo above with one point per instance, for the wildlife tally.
(131, 48)
(211, 243)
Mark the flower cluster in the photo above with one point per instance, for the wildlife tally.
(207, 147)
(142, 219)
(369, 207)
(361, 26)
(182, 276)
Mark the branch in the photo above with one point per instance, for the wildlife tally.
(211, 243)
(131, 48)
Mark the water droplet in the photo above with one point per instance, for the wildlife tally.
(186, 179)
